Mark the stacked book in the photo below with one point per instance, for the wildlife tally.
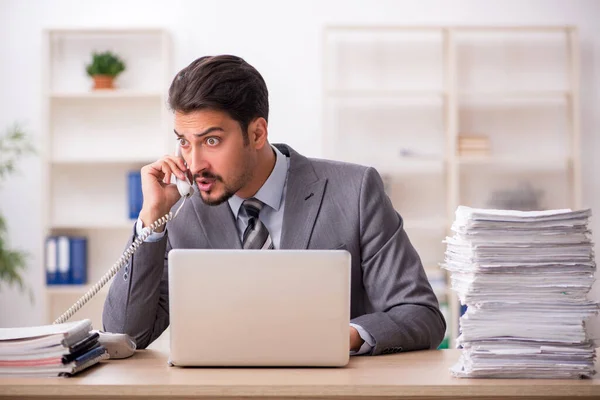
(524, 276)
(51, 350)
(473, 145)
(135, 198)
(66, 260)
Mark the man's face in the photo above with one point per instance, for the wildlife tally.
(213, 146)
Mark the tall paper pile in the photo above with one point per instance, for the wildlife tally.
(524, 277)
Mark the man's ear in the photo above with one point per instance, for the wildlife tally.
(258, 132)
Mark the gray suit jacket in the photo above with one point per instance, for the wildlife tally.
(329, 205)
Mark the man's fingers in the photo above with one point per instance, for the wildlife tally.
(166, 170)
(175, 167)
(163, 168)
(155, 169)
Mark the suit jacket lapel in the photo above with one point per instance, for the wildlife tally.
(218, 224)
(302, 201)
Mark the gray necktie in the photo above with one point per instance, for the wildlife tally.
(256, 235)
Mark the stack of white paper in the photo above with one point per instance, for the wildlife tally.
(524, 277)
(50, 350)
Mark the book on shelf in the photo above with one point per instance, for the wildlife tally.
(468, 144)
(473, 138)
(473, 145)
(50, 350)
(134, 194)
(66, 260)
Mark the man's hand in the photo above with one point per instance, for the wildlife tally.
(355, 340)
(160, 195)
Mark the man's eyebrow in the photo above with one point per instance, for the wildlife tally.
(206, 132)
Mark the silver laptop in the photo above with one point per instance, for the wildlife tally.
(259, 307)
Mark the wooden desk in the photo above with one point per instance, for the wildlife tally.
(416, 375)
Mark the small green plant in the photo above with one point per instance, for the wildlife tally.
(13, 145)
(105, 63)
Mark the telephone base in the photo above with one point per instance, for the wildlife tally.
(118, 345)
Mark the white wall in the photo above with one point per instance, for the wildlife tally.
(282, 39)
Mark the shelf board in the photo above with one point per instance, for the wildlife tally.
(410, 164)
(74, 289)
(516, 162)
(455, 28)
(380, 28)
(425, 224)
(513, 28)
(422, 159)
(532, 96)
(402, 94)
(106, 94)
(96, 225)
(113, 31)
(97, 160)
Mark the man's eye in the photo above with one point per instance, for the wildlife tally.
(182, 141)
(212, 141)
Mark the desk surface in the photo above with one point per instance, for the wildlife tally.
(421, 374)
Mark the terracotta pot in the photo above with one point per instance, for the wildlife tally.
(103, 82)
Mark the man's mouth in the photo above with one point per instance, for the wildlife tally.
(205, 184)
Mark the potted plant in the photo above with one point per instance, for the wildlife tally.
(13, 145)
(104, 68)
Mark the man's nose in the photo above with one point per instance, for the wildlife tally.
(197, 162)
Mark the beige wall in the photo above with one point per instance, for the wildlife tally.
(282, 39)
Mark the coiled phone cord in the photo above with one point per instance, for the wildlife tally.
(118, 265)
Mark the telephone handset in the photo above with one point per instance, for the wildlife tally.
(121, 345)
(184, 187)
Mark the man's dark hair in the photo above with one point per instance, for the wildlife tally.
(225, 83)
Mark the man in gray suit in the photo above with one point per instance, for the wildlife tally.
(255, 195)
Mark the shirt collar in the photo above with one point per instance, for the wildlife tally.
(271, 191)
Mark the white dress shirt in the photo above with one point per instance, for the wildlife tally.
(272, 194)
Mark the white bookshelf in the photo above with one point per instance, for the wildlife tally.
(107, 94)
(389, 91)
(516, 163)
(93, 138)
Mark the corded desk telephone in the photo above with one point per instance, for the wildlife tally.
(120, 345)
